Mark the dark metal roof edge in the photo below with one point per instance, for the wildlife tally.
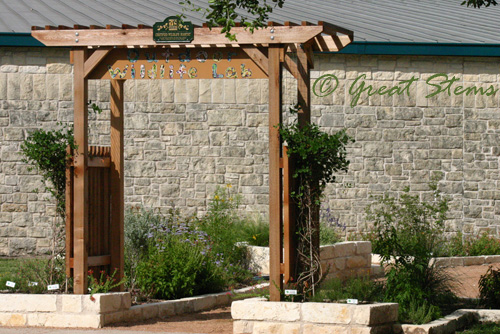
(422, 49)
(18, 39)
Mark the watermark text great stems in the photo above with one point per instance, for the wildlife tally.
(439, 83)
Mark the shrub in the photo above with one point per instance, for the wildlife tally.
(407, 233)
(223, 225)
(361, 288)
(179, 257)
(180, 263)
(138, 223)
(489, 288)
(484, 245)
(459, 245)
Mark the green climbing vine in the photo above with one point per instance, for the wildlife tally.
(316, 157)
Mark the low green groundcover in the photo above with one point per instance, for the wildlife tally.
(484, 328)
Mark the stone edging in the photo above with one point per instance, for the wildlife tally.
(458, 320)
(454, 261)
(458, 261)
(169, 308)
(70, 311)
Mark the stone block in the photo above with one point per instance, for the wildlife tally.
(449, 262)
(275, 328)
(488, 315)
(224, 117)
(263, 310)
(223, 299)
(251, 180)
(28, 303)
(74, 320)
(58, 68)
(327, 313)
(374, 314)
(492, 259)
(384, 329)
(324, 329)
(356, 262)
(327, 252)
(339, 263)
(149, 311)
(363, 247)
(132, 314)
(184, 306)
(13, 319)
(241, 326)
(3, 86)
(344, 249)
(167, 90)
(36, 319)
(473, 260)
(105, 302)
(112, 318)
(204, 303)
(71, 303)
(166, 309)
(13, 86)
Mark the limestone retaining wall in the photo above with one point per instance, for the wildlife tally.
(183, 138)
(342, 260)
(105, 308)
(255, 316)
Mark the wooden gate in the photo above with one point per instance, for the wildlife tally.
(98, 245)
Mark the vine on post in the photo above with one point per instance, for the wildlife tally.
(316, 157)
(46, 150)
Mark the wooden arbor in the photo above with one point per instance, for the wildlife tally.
(95, 236)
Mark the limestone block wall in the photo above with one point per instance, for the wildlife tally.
(184, 138)
(254, 316)
(61, 310)
(341, 260)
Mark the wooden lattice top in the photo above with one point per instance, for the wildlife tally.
(322, 37)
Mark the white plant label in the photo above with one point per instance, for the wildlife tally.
(10, 284)
(32, 283)
(352, 301)
(53, 287)
(290, 292)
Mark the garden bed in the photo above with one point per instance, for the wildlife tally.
(80, 311)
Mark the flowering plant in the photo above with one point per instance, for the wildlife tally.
(104, 284)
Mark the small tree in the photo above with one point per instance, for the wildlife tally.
(316, 157)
